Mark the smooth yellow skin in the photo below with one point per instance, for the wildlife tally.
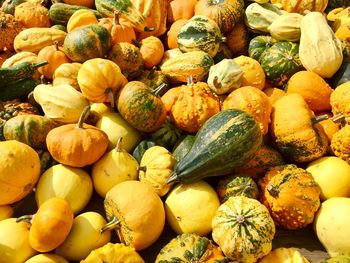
(84, 237)
(6, 211)
(190, 208)
(284, 255)
(99, 108)
(332, 174)
(115, 127)
(331, 225)
(72, 184)
(14, 241)
(47, 258)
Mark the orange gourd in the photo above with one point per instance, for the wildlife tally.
(181, 9)
(173, 32)
(152, 51)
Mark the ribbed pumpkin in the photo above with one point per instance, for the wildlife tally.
(77, 145)
(67, 73)
(87, 42)
(81, 17)
(189, 248)
(100, 79)
(314, 89)
(291, 195)
(31, 14)
(297, 138)
(244, 229)
(191, 105)
(252, 101)
(128, 57)
(140, 107)
(200, 33)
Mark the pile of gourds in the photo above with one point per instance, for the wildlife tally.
(225, 119)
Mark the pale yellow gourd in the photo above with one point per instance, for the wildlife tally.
(67, 73)
(6, 211)
(320, 50)
(47, 258)
(62, 103)
(114, 167)
(84, 237)
(286, 27)
(156, 165)
(72, 184)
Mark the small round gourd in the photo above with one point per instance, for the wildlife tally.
(31, 14)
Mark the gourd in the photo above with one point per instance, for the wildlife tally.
(81, 17)
(337, 259)
(47, 258)
(152, 50)
(200, 33)
(67, 73)
(153, 78)
(236, 185)
(200, 248)
(8, 30)
(320, 51)
(185, 105)
(8, 6)
(282, 254)
(340, 143)
(339, 101)
(179, 9)
(84, 237)
(87, 42)
(183, 147)
(226, 14)
(139, 106)
(78, 144)
(141, 148)
(71, 184)
(138, 216)
(225, 141)
(167, 135)
(14, 240)
(100, 79)
(296, 136)
(6, 211)
(302, 5)
(194, 63)
(29, 128)
(173, 33)
(114, 167)
(31, 14)
(252, 101)
(156, 165)
(19, 171)
(20, 57)
(274, 94)
(237, 39)
(258, 45)
(87, 3)
(286, 27)
(62, 103)
(110, 252)
(36, 38)
(244, 229)
(291, 195)
(225, 76)
(50, 225)
(170, 53)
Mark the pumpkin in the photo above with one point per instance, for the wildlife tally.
(200, 33)
(339, 101)
(297, 138)
(226, 13)
(81, 17)
(282, 254)
(14, 240)
(152, 51)
(8, 30)
(67, 73)
(51, 224)
(273, 94)
(28, 128)
(140, 107)
(253, 73)
(114, 167)
(203, 201)
(87, 42)
(156, 165)
(225, 76)
(170, 53)
(121, 30)
(31, 14)
(84, 237)
(69, 183)
(55, 56)
(19, 171)
(118, 253)
(244, 229)
(264, 158)
(180, 9)
(237, 185)
(128, 57)
(252, 101)
(188, 248)
(77, 145)
(138, 216)
(291, 195)
(174, 31)
(314, 89)
(6, 211)
(237, 39)
(46, 258)
(153, 78)
(302, 5)
(100, 79)
(340, 143)
(62, 103)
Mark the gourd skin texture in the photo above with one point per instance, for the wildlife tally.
(284, 255)
(340, 143)
(339, 101)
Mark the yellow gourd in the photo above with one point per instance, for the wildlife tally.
(47, 258)
(6, 211)
(284, 255)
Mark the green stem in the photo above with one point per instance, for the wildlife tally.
(109, 92)
(83, 116)
(142, 168)
(26, 218)
(172, 178)
(160, 90)
(273, 190)
(115, 223)
(119, 146)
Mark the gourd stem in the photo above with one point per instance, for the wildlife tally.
(116, 18)
(26, 218)
(273, 190)
(190, 80)
(173, 178)
(240, 219)
(56, 45)
(136, 43)
(141, 168)
(216, 82)
(115, 223)
(119, 146)
(40, 64)
(223, 39)
(151, 73)
(148, 29)
(109, 92)
(336, 118)
(160, 90)
(83, 117)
